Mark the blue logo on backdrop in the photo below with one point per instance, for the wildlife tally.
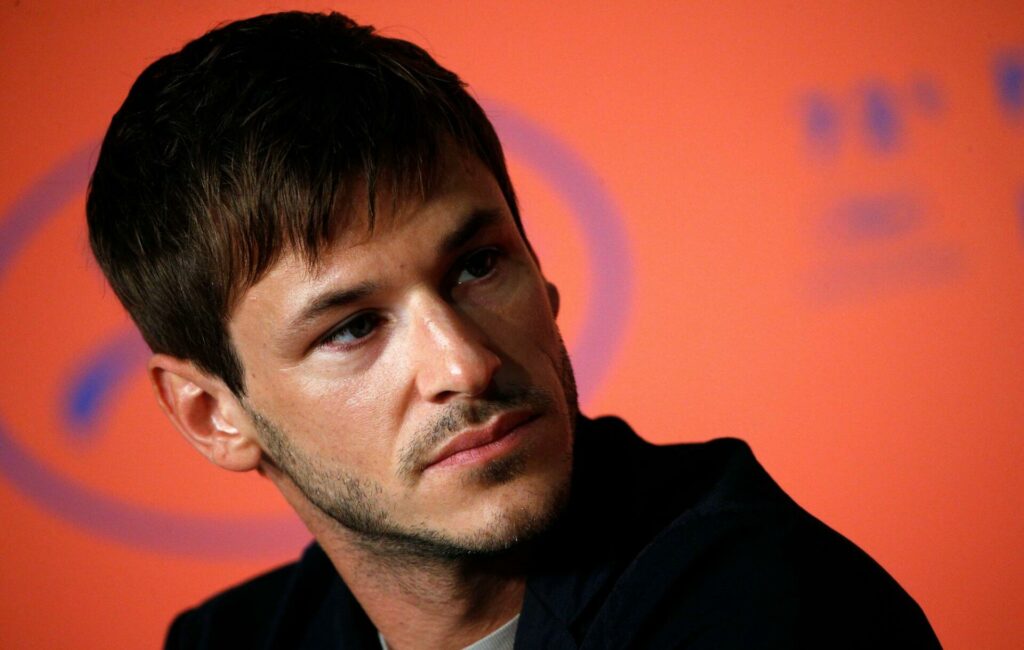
(872, 241)
(1008, 75)
(1009, 79)
(875, 115)
(872, 218)
(96, 381)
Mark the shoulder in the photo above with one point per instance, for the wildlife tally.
(245, 610)
(281, 606)
(722, 557)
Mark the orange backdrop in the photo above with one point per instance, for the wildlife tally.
(797, 223)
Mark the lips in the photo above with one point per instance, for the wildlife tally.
(480, 443)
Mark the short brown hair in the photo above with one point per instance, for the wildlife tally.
(253, 140)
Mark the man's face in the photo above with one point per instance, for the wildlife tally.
(414, 386)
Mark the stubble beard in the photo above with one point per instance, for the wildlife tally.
(360, 506)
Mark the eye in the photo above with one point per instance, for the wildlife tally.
(355, 328)
(477, 265)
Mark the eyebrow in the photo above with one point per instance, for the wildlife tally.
(477, 221)
(333, 299)
(329, 300)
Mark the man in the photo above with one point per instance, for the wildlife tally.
(315, 231)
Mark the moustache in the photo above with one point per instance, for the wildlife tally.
(458, 416)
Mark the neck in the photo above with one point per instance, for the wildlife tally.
(428, 602)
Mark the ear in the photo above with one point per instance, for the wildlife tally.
(206, 412)
(553, 297)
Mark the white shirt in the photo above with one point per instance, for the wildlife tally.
(501, 639)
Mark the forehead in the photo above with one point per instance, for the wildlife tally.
(409, 228)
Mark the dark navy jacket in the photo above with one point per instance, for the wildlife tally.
(682, 546)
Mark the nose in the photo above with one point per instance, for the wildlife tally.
(450, 352)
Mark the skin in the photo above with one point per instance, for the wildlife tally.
(361, 369)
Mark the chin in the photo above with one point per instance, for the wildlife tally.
(518, 514)
(514, 509)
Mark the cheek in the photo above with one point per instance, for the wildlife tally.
(345, 420)
(325, 384)
(526, 323)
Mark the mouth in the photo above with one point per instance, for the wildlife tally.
(480, 444)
